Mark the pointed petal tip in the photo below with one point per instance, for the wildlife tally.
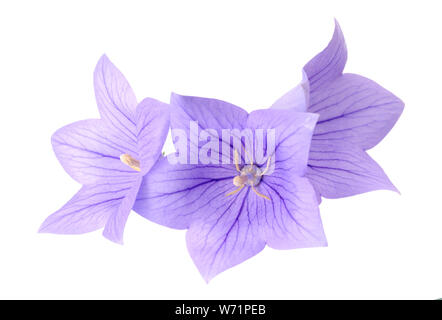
(104, 63)
(47, 227)
(102, 60)
(329, 63)
(338, 29)
(394, 189)
(174, 96)
(389, 186)
(174, 99)
(207, 275)
(113, 238)
(115, 225)
(359, 173)
(42, 228)
(177, 99)
(207, 278)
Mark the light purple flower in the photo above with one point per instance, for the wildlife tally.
(355, 115)
(229, 219)
(108, 156)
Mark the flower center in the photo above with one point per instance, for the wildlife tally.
(131, 162)
(250, 175)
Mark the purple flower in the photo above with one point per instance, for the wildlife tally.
(235, 207)
(108, 156)
(355, 114)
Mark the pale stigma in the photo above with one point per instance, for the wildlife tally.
(131, 162)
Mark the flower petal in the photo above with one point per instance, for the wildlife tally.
(88, 210)
(339, 170)
(355, 110)
(210, 115)
(115, 99)
(117, 221)
(89, 152)
(291, 219)
(152, 128)
(328, 64)
(174, 195)
(293, 132)
(225, 237)
(297, 99)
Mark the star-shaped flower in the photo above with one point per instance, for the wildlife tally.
(108, 156)
(355, 114)
(237, 203)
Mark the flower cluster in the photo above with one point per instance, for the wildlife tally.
(237, 181)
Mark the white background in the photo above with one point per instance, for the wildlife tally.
(381, 244)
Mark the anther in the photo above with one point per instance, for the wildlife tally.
(131, 162)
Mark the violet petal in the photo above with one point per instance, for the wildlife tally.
(328, 64)
(226, 236)
(354, 109)
(339, 170)
(152, 128)
(293, 135)
(291, 219)
(175, 195)
(90, 152)
(115, 99)
(88, 210)
(114, 227)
